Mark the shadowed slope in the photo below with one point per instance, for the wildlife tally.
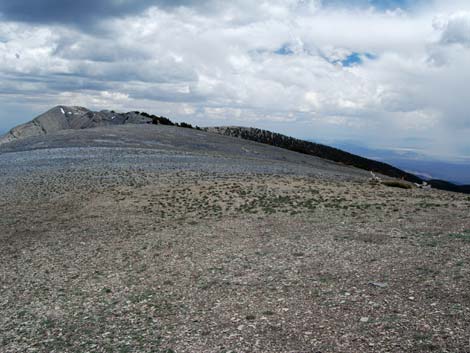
(330, 153)
(314, 149)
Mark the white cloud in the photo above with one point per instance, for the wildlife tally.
(455, 28)
(260, 63)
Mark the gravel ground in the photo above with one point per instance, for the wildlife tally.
(136, 248)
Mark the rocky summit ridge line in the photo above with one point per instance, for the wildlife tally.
(71, 117)
(61, 118)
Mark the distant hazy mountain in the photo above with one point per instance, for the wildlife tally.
(414, 162)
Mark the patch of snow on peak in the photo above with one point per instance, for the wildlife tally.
(62, 110)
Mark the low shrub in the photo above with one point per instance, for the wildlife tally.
(465, 236)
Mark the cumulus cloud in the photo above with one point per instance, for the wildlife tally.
(385, 72)
(455, 29)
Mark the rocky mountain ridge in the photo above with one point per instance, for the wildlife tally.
(330, 153)
(311, 148)
(63, 117)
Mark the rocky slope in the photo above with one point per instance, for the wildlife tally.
(314, 149)
(151, 238)
(65, 118)
(330, 153)
(154, 238)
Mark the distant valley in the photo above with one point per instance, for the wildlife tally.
(413, 162)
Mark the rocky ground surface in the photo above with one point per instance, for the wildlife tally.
(201, 246)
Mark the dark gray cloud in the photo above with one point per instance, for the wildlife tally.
(87, 12)
(52, 84)
(77, 12)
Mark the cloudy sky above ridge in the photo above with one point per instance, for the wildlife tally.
(387, 73)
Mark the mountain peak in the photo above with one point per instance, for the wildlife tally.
(62, 117)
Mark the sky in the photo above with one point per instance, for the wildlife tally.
(383, 73)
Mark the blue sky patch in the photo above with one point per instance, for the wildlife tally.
(355, 59)
(351, 60)
(284, 50)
